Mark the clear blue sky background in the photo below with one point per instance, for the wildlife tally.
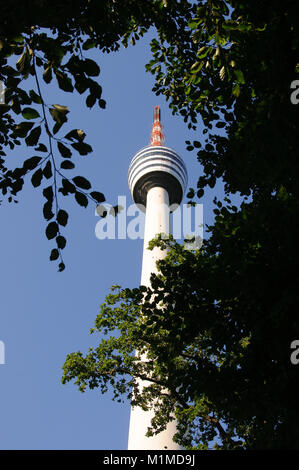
(45, 314)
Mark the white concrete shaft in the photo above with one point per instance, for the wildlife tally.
(156, 221)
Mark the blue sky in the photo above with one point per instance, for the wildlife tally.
(45, 314)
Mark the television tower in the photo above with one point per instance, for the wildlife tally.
(157, 179)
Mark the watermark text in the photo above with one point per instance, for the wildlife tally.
(2, 352)
(186, 222)
(2, 93)
(295, 354)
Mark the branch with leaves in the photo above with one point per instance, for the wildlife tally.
(36, 124)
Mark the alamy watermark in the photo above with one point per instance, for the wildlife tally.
(295, 94)
(2, 93)
(185, 221)
(294, 357)
(2, 352)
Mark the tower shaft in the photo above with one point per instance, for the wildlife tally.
(156, 221)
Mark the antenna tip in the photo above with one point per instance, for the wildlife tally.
(157, 137)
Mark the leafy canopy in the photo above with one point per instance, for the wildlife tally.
(217, 323)
(219, 340)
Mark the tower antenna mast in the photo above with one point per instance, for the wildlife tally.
(157, 137)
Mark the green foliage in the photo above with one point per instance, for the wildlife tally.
(233, 68)
(215, 334)
(216, 323)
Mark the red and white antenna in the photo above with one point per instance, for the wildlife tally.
(157, 137)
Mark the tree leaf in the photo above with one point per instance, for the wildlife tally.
(102, 104)
(76, 134)
(95, 88)
(64, 82)
(30, 113)
(81, 199)
(88, 44)
(67, 187)
(22, 129)
(54, 254)
(61, 242)
(65, 152)
(90, 101)
(47, 171)
(51, 230)
(197, 144)
(240, 76)
(99, 197)
(41, 148)
(35, 97)
(47, 210)
(62, 217)
(190, 194)
(82, 147)
(56, 127)
(236, 90)
(48, 193)
(81, 85)
(200, 193)
(220, 124)
(196, 67)
(61, 108)
(23, 62)
(61, 267)
(33, 137)
(67, 165)
(31, 163)
(91, 68)
(81, 182)
(47, 75)
(222, 73)
(37, 178)
(59, 114)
